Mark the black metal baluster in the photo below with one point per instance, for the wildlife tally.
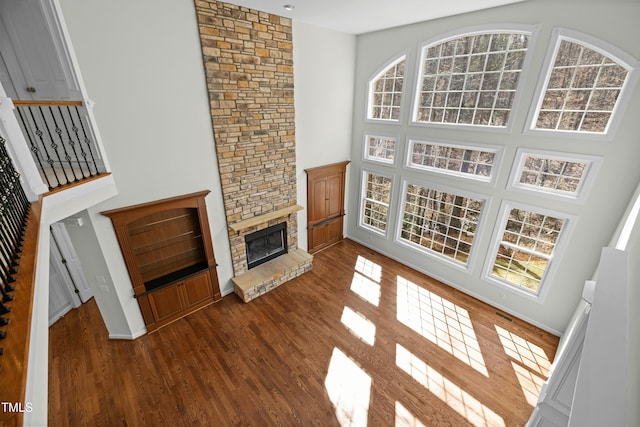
(6, 249)
(67, 157)
(87, 141)
(7, 265)
(5, 288)
(60, 142)
(40, 134)
(11, 184)
(72, 143)
(33, 147)
(13, 217)
(53, 145)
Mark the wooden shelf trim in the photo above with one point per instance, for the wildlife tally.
(261, 219)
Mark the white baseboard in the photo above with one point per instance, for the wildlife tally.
(128, 337)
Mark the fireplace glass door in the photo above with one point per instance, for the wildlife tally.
(265, 245)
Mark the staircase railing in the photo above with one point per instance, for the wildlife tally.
(59, 140)
(14, 210)
(17, 246)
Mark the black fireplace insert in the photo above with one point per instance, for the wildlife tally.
(266, 244)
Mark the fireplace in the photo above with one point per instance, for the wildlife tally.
(266, 244)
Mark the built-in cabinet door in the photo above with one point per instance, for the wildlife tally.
(327, 196)
(175, 300)
(197, 289)
(325, 234)
(166, 302)
(335, 195)
(317, 210)
(325, 205)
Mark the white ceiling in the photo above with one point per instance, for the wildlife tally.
(363, 16)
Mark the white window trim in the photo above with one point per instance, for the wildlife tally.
(435, 255)
(558, 251)
(404, 56)
(497, 150)
(624, 59)
(363, 189)
(580, 196)
(530, 30)
(367, 158)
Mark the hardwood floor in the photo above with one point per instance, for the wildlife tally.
(359, 340)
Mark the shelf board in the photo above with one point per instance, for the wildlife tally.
(261, 219)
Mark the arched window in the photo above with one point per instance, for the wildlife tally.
(385, 92)
(582, 89)
(470, 80)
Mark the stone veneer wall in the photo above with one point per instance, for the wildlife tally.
(248, 60)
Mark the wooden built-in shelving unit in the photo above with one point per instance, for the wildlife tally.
(169, 254)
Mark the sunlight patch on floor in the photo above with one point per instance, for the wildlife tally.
(404, 418)
(440, 321)
(369, 268)
(366, 288)
(456, 398)
(349, 388)
(528, 354)
(366, 280)
(359, 325)
(530, 383)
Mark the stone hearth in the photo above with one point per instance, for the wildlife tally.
(263, 278)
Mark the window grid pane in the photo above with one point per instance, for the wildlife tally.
(559, 176)
(582, 90)
(376, 201)
(381, 148)
(452, 159)
(471, 80)
(386, 93)
(526, 248)
(440, 222)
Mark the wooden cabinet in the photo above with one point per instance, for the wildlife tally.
(325, 205)
(169, 254)
(172, 302)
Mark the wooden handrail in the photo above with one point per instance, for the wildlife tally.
(46, 103)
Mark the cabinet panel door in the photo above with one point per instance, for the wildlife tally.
(325, 234)
(165, 302)
(334, 230)
(197, 289)
(318, 206)
(317, 237)
(334, 198)
(325, 200)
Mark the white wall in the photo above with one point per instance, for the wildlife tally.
(323, 65)
(613, 22)
(141, 63)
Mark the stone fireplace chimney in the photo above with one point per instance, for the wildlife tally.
(248, 60)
